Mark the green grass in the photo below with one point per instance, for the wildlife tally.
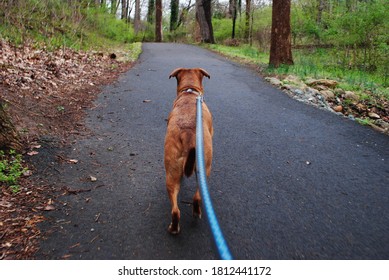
(56, 24)
(245, 53)
(134, 50)
(320, 63)
(11, 169)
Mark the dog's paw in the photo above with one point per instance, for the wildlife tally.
(197, 215)
(196, 212)
(174, 229)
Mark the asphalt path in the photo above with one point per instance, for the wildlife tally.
(289, 181)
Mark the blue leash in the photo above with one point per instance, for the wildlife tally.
(221, 243)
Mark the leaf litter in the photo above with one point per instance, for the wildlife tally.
(46, 93)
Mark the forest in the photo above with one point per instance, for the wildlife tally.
(345, 40)
(351, 33)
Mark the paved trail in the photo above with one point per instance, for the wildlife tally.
(289, 181)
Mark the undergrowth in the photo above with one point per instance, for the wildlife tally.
(56, 24)
(11, 169)
(319, 63)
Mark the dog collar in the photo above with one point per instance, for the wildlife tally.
(192, 91)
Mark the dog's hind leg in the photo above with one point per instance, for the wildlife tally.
(197, 204)
(173, 188)
(197, 201)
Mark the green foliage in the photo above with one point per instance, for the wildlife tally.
(365, 121)
(56, 23)
(108, 26)
(11, 169)
(357, 33)
(134, 50)
(222, 26)
(222, 29)
(345, 41)
(315, 63)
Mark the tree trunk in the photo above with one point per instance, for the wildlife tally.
(234, 11)
(137, 16)
(247, 20)
(204, 19)
(158, 20)
(150, 12)
(8, 136)
(174, 9)
(124, 10)
(281, 45)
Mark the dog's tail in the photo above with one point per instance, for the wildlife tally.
(188, 139)
(190, 162)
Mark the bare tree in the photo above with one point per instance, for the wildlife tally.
(204, 19)
(137, 16)
(158, 20)
(281, 44)
(184, 13)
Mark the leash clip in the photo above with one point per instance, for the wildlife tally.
(200, 97)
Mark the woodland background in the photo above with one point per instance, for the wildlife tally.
(355, 31)
(345, 40)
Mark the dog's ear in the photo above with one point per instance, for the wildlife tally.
(205, 73)
(175, 72)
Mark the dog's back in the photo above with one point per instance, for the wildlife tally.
(180, 140)
(182, 130)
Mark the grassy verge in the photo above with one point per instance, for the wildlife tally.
(316, 64)
(359, 95)
(133, 51)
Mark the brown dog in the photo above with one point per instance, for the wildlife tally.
(180, 140)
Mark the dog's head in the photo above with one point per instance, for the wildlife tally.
(189, 78)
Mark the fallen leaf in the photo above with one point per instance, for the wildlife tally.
(4, 203)
(74, 161)
(27, 173)
(66, 256)
(32, 153)
(49, 207)
(75, 245)
(373, 115)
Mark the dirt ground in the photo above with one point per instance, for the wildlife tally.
(46, 94)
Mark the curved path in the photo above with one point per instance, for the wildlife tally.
(289, 181)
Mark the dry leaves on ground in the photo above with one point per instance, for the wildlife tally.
(46, 94)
